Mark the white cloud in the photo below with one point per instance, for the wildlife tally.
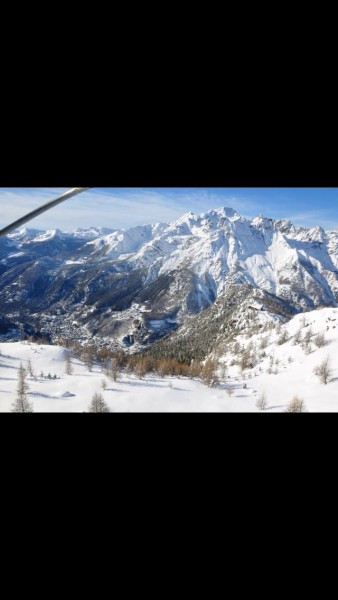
(101, 207)
(124, 207)
(325, 218)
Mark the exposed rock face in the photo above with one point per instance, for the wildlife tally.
(132, 287)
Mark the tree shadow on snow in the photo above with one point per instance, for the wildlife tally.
(11, 357)
(41, 395)
(177, 389)
(92, 374)
(146, 384)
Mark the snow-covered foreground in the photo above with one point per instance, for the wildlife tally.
(73, 393)
(295, 375)
(292, 368)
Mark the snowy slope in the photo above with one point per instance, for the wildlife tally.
(73, 393)
(294, 365)
(287, 369)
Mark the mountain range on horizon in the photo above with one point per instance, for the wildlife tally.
(129, 288)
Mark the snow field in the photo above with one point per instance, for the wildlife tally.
(295, 375)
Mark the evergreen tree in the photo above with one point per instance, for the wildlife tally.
(114, 369)
(22, 404)
(297, 405)
(89, 358)
(209, 374)
(30, 368)
(320, 340)
(68, 364)
(324, 371)
(261, 402)
(98, 405)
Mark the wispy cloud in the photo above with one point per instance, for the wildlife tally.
(326, 218)
(111, 208)
(126, 207)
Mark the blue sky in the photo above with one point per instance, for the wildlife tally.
(126, 207)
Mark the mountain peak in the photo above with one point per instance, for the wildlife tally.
(223, 211)
(24, 233)
(49, 235)
(228, 212)
(260, 220)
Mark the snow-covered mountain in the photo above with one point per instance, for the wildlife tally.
(135, 285)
